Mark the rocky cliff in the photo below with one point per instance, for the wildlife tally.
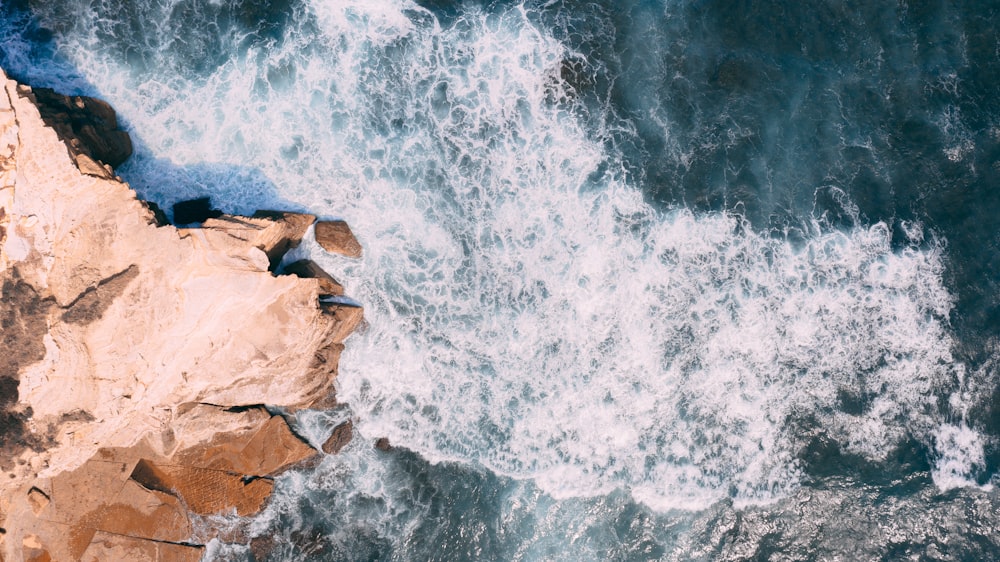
(135, 355)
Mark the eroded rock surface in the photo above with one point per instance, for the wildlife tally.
(135, 354)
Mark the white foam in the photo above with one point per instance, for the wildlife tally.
(960, 457)
(528, 311)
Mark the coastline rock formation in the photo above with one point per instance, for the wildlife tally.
(136, 355)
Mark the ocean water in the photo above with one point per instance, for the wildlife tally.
(644, 280)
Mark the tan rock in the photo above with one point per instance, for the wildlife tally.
(196, 426)
(137, 493)
(107, 546)
(272, 232)
(336, 237)
(263, 452)
(321, 395)
(308, 269)
(205, 491)
(37, 499)
(86, 489)
(165, 316)
(91, 167)
(141, 513)
(346, 319)
(142, 352)
(36, 554)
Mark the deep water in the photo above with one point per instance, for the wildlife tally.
(689, 280)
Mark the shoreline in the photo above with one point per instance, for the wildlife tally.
(135, 403)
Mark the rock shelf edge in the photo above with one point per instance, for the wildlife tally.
(136, 356)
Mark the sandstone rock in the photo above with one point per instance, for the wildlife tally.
(336, 237)
(137, 493)
(135, 353)
(308, 269)
(197, 426)
(162, 314)
(325, 400)
(271, 232)
(346, 319)
(24, 319)
(382, 444)
(205, 491)
(37, 499)
(159, 217)
(264, 451)
(108, 546)
(92, 167)
(141, 513)
(88, 126)
(85, 490)
(341, 436)
(320, 395)
(33, 551)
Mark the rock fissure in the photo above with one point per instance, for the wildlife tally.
(92, 303)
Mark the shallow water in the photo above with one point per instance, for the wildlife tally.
(643, 280)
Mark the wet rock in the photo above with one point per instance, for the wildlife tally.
(336, 237)
(341, 436)
(382, 444)
(261, 547)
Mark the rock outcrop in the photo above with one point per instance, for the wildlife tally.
(87, 126)
(336, 237)
(136, 355)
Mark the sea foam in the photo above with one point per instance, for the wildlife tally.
(528, 311)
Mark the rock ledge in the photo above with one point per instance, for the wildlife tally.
(136, 354)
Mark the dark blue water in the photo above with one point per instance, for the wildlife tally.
(644, 280)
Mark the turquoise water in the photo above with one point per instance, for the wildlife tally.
(643, 280)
